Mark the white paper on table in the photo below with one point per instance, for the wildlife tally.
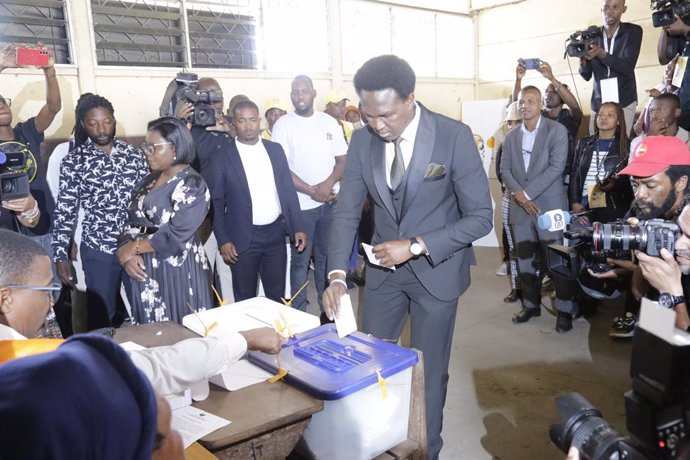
(132, 346)
(369, 251)
(239, 375)
(193, 424)
(345, 321)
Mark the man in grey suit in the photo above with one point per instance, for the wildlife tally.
(431, 201)
(534, 157)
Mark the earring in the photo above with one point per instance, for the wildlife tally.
(174, 157)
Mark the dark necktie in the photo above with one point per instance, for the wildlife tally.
(398, 166)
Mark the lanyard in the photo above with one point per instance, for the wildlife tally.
(606, 45)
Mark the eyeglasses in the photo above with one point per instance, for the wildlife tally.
(150, 148)
(53, 290)
(5, 103)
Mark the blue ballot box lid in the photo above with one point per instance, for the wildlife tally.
(328, 367)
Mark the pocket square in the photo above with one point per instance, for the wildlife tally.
(434, 170)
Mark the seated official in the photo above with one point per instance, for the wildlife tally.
(84, 400)
(27, 292)
(670, 274)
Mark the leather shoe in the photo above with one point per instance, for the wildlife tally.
(564, 322)
(525, 314)
(513, 296)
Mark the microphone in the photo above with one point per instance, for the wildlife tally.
(554, 221)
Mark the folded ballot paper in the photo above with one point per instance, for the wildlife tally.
(242, 316)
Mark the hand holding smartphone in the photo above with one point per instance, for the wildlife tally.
(35, 57)
(531, 64)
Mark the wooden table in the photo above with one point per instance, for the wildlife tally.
(267, 418)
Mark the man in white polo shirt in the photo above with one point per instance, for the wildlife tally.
(315, 149)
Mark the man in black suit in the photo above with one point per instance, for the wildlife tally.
(431, 199)
(255, 207)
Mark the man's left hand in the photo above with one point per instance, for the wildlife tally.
(323, 192)
(392, 253)
(531, 208)
(662, 273)
(300, 241)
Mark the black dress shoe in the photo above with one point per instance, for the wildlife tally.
(564, 322)
(513, 296)
(525, 314)
(324, 319)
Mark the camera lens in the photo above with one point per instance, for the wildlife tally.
(583, 427)
(6, 186)
(617, 237)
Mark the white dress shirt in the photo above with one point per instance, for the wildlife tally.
(528, 138)
(406, 146)
(262, 185)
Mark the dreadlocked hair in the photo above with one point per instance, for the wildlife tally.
(86, 102)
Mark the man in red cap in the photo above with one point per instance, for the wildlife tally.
(659, 169)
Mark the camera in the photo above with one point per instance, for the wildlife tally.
(666, 11)
(615, 240)
(656, 408)
(581, 41)
(15, 162)
(188, 91)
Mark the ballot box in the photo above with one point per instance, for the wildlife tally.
(365, 384)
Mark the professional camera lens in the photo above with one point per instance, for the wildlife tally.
(582, 426)
(616, 236)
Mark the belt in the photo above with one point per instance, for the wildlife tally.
(144, 230)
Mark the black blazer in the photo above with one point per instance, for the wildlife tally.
(619, 199)
(230, 198)
(621, 60)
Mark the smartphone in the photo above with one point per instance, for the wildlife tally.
(531, 64)
(32, 57)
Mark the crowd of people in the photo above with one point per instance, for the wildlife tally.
(598, 178)
(157, 227)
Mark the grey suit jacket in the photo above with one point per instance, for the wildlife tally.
(449, 207)
(543, 180)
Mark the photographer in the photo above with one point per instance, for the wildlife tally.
(673, 41)
(611, 61)
(671, 275)
(34, 212)
(659, 168)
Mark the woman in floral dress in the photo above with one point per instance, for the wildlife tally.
(159, 248)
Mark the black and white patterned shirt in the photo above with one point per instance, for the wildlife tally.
(101, 184)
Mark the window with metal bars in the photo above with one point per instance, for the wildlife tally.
(33, 21)
(154, 33)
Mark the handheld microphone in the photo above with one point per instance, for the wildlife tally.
(554, 221)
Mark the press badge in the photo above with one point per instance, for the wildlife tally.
(609, 90)
(596, 198)
(679, 71)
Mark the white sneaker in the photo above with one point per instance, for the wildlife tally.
(502, 270)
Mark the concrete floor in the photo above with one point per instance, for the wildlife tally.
(504, 377)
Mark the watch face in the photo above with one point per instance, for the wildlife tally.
(665, 300)
(416, 249)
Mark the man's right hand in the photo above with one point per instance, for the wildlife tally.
(229, 253)
(678, 27)
(66, 273)
(520, 70)
(331, 299)
(184, 110)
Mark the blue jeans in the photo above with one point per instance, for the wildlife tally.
(317, 223)
(103, 274)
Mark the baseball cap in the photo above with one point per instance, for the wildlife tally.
(276, 102)
(654, 154)
(335, 96)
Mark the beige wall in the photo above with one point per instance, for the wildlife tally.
(538, 28)
(136, 93)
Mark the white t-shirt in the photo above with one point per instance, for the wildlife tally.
(262, 186)
(311, 145)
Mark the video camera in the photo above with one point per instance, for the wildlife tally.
(656, 408)
(188, 91)
(615, 240)
(581, 41)
(15, 159)
(666, 11)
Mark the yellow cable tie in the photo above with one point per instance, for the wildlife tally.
(287, 326)
(220, 301)
(206, 329)
(288, 303)
(281, 372)
(382, 385)
(279, 327)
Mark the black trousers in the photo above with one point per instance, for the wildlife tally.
(266, 256)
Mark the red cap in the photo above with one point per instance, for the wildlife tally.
(654, 154)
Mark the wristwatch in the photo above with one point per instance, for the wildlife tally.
(669, 301)
(415, 248)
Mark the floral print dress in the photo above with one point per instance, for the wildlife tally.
(178, 272)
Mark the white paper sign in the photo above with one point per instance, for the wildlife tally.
(345, 322)
(193, 424)
(609, 90)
